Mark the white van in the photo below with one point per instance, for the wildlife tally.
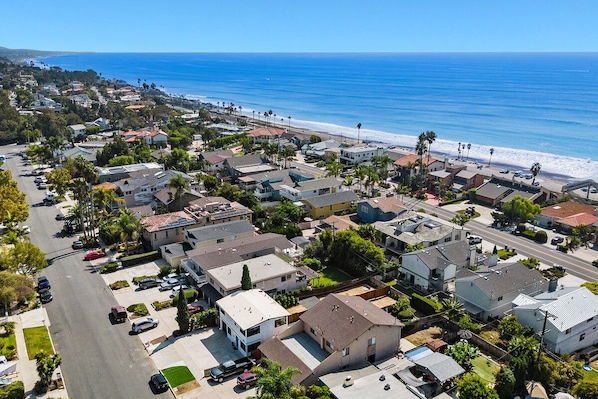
(50, 195)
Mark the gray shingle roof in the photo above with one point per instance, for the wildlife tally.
(504, 279)
(331, 199)
(221, 230)
(441, 366)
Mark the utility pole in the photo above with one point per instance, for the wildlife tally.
(546, 315)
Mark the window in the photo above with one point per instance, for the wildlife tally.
(372, 341)
(283, 278)
(280, 322)
(253, 346)
(253, 331)
(328, 344)
(499, 298)
(582, 336)
(166, 233)
(312, 331)
(590, 319)
(242, 344)
(155, 236)
(345, 352)
(218, 241)
(568, 331)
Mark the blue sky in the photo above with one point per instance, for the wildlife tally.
(300, 26)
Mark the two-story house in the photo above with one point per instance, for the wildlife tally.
(380, 209)
(265, 134)
(567, 318)
(435, 268)
(489, 293)
(337, 333)
(414, 228)
(77, 130)
(249, 318)
(359, 154)
(267, 185)
(566, 215)
(310, 188)
(217, 234)
(158, 230)
(246, 165)
(322, 206)
(115, 173)
(139, 189)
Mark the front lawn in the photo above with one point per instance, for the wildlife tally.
(37, 339)
(485, 368)
(8, 345)
(330, 276)
(178, 375)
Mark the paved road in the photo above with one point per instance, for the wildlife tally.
(549, 256)
(100, 360)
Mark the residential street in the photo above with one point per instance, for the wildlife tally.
(99, 360)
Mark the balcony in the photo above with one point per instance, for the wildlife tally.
(199, 278)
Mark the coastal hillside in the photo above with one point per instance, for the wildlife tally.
(21, 54)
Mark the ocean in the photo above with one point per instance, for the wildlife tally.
(529, 107)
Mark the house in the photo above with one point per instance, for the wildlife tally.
(214, 160)
(202, 259)
(359, 154)
(165, 229)
(337, 333)
(265, 134)
(567, 317)
(246, 165)
(434, 366)
(102, 123)
(566, 215)
(141, 187)
(158, 137)
(249, 318)
(267, 185)
(310, 188)
(115, 173)
(380, 209)
(41, 102)
(435, 268)
(336, 223)
(406, 166)
(413, 228)
(81, 100)
(380, 384)
(466, 179)
(167, 199)
(489, 293)
(217, 234)
(76, 151)
(322, 206)
(269, 272)
(299, 139)
(320, 149)
(77, 130)
(216, 210)
(497, 191)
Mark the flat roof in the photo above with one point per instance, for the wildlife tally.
(261, 269)
(250, 308)
(380, 385)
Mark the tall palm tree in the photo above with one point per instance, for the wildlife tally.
(287, 153)
(459, 150)
(535, 169)
(358, 131)
(491, 152)
(468, 148)
(79, 189)
(420, 150)
(430, 138)
(289, 122)
(273, 380)
(333, 169)
(360, 173)
(129, 226)
(106, 198)
(179, 184)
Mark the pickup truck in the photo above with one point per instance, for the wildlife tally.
(231, 367)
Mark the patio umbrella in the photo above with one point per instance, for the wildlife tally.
(465, 334)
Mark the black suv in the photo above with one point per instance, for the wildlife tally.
(595, 263)
(149, 283)
(159, 382)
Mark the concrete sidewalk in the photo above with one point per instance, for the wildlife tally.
(26, 369)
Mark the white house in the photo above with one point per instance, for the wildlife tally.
(78, 129)
(357, 155)
(251, 317)
(570, 314)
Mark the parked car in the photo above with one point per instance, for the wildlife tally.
(26, 229)
(43, 282)
(144, 323)
(119, 313)
(517, 173)
(149, 283)
(91, 255)
(193, 309)
(504, 171)
(169, 281)
(77, 245)
(59, 216)
(246, 380)
(131, 246)
(177, 288)
(45, 295)
(159, 382)
(475, 240)
(557, 240)
(595, 263)
(42, 186)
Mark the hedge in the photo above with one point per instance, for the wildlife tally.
(190, 296)
(138, 259)
(117, 285)
(138, 309)
(109, 268)
(14, 390)
(161, 305)
(424, 304)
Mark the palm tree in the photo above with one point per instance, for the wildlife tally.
(382, 163)
(333, 168)
(420, 150)
(468, 148)
(459, 150)
(287, 153)
(106, 198)
(273, 381)
(535, 169)
(402, 190)
(491, 152)
(430, 138)
(179, 184)
(289, 122)
(129, 226)
(453, 308)
(360, 173)
(358, 131)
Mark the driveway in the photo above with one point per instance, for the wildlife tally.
(199, 350)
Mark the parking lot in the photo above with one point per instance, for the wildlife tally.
(199, 350)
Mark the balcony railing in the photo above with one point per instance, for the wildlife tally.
(199, 278)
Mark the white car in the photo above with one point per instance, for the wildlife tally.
(26, 229)
(177, 288)
(145, 323)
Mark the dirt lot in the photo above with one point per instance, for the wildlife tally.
(424, 336)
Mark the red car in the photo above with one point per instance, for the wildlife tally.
(194, 308)
(94, 255)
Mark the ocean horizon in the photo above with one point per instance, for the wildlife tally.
(529, 107)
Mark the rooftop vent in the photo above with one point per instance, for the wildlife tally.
(348, 381)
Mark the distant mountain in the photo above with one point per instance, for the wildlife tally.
(23, 54)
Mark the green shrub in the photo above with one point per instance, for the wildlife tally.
(562, 248)
(406, 314)
(109, 268)
(14, 390)
(138, 259)
(529, 234)
(465, 323)
(287, 300)
(425, 305)
(138, 309)
(9, 327)
(164, 271)
(190, 296)
(202, 319)
(161, 305)
(117, 285)
(541, 237)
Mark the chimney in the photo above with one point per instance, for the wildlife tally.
(348, 381)
(553, 284)
(492, 260)
(471, 256)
